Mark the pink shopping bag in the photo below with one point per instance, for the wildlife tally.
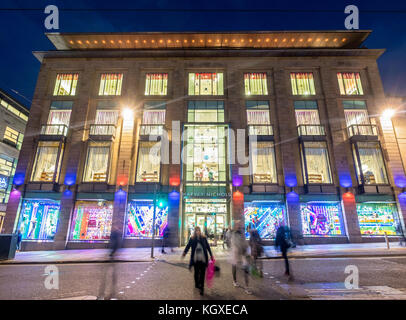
(210, 273)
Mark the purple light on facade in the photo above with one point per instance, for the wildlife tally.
(174, 196)
(345, 180)
(67, 193)
(19, 179)
(70, 179)
(15, 193)
(400, 182)
(237, 181)
(291, 181)
(292, 197)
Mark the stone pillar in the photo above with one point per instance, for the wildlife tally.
(351, 217)
(294, 218)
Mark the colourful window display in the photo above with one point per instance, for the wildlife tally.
(140, 219)
(266, 217)
(321, 219)
(377, 218)
(92, 221)
(39, 219)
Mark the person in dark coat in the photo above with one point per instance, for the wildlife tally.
(19, 239)
(283, 243)
(199, 257)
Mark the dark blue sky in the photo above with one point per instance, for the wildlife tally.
(22, 32)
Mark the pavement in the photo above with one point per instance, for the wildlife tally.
(362, 250)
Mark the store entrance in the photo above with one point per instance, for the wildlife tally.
(208, 214)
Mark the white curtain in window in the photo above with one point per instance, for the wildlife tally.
(153, 117)
(106, 117)
(263, 166)
(318, 168)
(148, 162)
(372, 166)
(358, 117)
(97, 162)
(258, 117)
(307, 117)
(59, 117)
(45, 163)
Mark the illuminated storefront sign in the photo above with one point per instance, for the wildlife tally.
(3, 182)
(39, 219)
(321, 219)
(92, 221)
(140, 218)
(266, 217)
(377, 218)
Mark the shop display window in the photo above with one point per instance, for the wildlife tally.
(321, 219)
(376, 219)
(39, 219)
(92, 221)
(140, 219)
(266, 217)
(206, 111)
(97, 162)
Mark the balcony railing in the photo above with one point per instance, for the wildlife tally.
(260, 130)
(362, 130)
(102, 130)
(54, 130)
(151, 129)
(311, 130)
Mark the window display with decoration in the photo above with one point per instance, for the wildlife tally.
(39, 219)
(255, 83)
(140, 219)
(149, 161)
(111, 84)
(156, 84)
(302, 83)
(350, 83)
(92, 221)
(315, 163)
(47, 161)
(321, 219)
(266, 217)
(66, 84)
(376, 219)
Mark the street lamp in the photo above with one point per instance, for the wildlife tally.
(388, 114)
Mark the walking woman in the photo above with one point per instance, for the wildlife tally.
(283, 243)
(199, 257)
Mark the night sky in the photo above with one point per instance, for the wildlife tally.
(22, 32)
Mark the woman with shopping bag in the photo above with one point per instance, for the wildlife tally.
(199, 257)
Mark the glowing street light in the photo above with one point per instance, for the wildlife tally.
(127, 114)
(388, 114)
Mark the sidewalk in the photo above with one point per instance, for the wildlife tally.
(144, 254)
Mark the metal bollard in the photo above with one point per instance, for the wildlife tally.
(387, 240)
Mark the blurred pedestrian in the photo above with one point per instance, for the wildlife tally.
(399, 231)
(239, 256)
(199, 257)
(257, 250)
(19, 239)
(228, 238)
(110, 267)
(165, 239)
(282, 243)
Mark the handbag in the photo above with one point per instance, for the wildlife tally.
(211, 269)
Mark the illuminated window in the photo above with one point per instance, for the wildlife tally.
(315, 161)
(266, 217)
(156, 84)
(302, 83)
(140, 219)
(65, 84)
(257, 112)
(149, 161)
(349, 83)
(321, 219)
(7, 170)
(206, 111)
(206, 84)
(153, 118)
(205, 153)
(47, 162)
(59, 117)
(13, 137)
(92, 221)
(307, 118)
(255, 83)
(263, 162)
(369, 163)
(110, 84)
(97, 162)
(376, 219)
(39, 219)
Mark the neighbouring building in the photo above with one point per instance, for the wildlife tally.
(13, 119)
(265, 128)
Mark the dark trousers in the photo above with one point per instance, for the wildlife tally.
(245, 270)
(285, 256)
(200, 272)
